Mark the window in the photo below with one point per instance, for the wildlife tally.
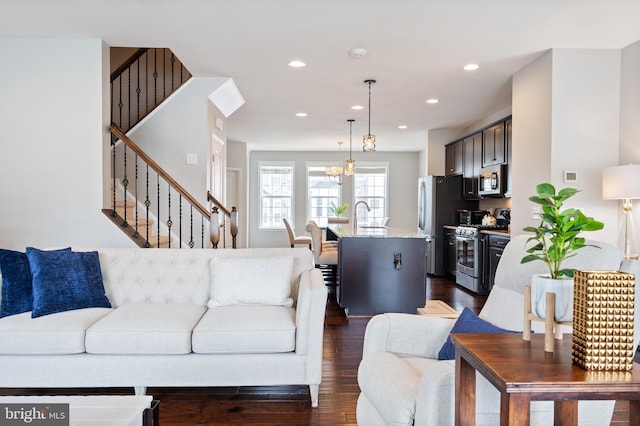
(321, 194)
(370, 185)
(276, 194)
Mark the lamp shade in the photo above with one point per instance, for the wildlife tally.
(620, 182)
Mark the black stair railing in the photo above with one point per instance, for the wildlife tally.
(142, 83)
(153, 209)
(150, 206)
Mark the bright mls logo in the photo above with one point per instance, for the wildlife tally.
(34, 414)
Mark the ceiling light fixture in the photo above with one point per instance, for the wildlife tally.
(301, 114)
(340, 174)
(433, 101)
(358, 52)
(357, 107)
(471, 67)
(369, 140)
(297, 64)
(402, 126)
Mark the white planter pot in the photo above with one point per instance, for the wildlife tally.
(541, 285)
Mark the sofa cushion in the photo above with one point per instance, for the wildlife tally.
(145, 329)
(65, 280)
(258, 280)
(55, 334)
(17, 292)
(467, 322)
(246, 329)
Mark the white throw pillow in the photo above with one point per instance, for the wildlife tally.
(251, 281)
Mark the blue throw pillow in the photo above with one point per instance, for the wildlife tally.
(63, 281)
(467, 323)
(17, 294)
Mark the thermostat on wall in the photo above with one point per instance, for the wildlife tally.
(570, 176)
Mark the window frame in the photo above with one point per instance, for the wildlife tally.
(372, 165)
(261, 197)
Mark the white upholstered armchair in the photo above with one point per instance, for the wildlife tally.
(403, 383)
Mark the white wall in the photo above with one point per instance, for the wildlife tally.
(53, 126)
(566, 117)
(630, 118)
(403, 190)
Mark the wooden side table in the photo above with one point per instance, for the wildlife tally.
(523, 372)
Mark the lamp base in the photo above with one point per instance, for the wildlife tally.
(630, 238)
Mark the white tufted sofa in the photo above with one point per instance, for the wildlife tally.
(160, 331)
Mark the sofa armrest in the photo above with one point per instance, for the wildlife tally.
(310, 312)
(407, 334)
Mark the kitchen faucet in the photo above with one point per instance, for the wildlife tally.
(355, 214)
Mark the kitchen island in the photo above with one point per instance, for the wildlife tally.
(380, 269)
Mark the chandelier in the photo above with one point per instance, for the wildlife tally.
(341, 173)
(369, 140)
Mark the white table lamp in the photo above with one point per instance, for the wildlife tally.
(623, 183)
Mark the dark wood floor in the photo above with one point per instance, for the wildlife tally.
(290, 405)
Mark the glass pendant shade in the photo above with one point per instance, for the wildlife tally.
(369, 143)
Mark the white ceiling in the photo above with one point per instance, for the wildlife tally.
(416, 50)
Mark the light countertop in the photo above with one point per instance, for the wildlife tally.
(346, 231)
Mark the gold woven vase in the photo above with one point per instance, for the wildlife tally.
(603, 307)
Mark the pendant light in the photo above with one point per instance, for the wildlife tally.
(340, 174)
(369, 140)
(351, 165)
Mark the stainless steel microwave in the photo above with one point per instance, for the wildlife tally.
(492, 180)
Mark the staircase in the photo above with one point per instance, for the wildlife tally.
(147, 204)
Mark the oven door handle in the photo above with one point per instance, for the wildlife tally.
(465, 239)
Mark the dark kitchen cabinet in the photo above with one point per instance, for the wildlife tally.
(493, 145)
(495, 249)
(450, 254)
(453, 158)
(472, 155)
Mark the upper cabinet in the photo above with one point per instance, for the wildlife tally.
(493, 145)
(453, 158)
(472, 155)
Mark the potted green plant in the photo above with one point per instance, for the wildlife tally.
(338, 210)
(557, 238)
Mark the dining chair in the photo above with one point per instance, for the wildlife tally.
(296, 239)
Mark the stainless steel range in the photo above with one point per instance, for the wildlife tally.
(470, 248)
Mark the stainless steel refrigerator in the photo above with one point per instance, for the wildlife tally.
(439, 198)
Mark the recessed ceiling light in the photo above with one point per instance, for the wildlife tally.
(297, 64)
(358, 52)
(471, 67)
(357, 107)
(301, 114)
(432, 101)
(402, 126)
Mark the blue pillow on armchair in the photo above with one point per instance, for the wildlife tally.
(17, 294)
(467, 322)
(63, 281)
